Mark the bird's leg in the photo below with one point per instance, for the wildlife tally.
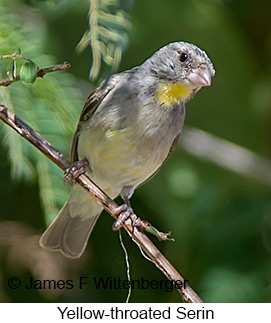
(76, 169)
(124, 212)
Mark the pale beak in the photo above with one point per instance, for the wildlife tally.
(200, 77)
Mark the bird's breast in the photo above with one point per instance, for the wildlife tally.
(128, 156)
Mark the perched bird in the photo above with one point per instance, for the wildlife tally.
(128, 128)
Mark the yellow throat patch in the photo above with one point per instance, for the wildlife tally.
(171, 93)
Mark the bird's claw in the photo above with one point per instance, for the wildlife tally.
(124, 212)
(76, 169)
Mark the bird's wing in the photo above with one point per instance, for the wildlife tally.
(92, 103)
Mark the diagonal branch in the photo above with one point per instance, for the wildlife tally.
(138, 237)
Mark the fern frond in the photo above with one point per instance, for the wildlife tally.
(51, 106)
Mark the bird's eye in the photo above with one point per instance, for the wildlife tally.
(183, 57)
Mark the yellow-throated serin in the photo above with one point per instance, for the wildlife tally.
(128, 128)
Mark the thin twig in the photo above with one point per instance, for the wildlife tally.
(138, 237)
(14, 56)
(40, 73)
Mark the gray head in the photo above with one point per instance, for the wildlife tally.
(181, 62)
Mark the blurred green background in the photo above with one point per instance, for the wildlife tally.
(220, 217)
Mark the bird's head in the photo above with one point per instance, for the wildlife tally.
(182, 69)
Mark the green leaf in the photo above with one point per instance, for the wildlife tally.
(28, 73)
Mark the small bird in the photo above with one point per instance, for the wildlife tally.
(128, 128)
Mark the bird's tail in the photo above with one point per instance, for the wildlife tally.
(68, 234)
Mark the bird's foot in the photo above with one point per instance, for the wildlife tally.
(124, 212)
(76, 169)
